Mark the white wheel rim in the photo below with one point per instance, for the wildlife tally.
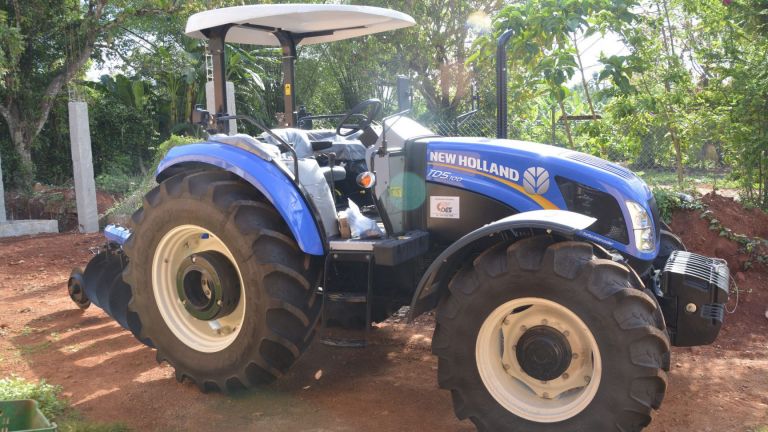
(522, 395)
(175, 246)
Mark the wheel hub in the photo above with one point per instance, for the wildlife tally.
(543, 353)
(208, 285)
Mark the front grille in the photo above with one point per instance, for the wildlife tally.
(602, 164)
(712, 271)
(588, 201)
(695, 292)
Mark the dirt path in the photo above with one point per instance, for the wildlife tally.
(390, 386)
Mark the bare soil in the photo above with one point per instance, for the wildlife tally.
(390, 386)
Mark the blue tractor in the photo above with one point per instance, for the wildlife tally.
(558, 290)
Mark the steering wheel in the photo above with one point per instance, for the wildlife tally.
(367, 109)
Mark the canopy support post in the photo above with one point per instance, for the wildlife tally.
(288, 45)
(216, 46)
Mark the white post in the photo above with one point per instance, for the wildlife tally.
(210, 104)
(82, 162)
(2, 194)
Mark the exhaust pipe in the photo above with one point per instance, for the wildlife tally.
(501, 84)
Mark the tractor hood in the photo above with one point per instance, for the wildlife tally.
(528, 176)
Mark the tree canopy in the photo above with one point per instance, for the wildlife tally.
(688, 92)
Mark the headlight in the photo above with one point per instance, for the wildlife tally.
(642, 227)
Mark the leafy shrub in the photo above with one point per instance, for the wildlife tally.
(52, 406)
(668, 200)
(46, 395)
(117, 183)
(134, 197)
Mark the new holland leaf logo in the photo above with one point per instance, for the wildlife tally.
(536, 180)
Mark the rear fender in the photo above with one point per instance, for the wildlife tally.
(435, 280)
(264, 175)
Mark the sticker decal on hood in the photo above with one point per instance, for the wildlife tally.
(444, 207)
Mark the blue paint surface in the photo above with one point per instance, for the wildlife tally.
(496, 168)
(265, 176)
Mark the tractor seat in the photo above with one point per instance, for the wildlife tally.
(299, 140)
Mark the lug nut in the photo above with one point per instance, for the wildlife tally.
(566, 333)
(575, 356)
(690, 308)
(566, 376)
(546, 395)
(523, 328)
(506, 366)
(587, 379)
(194, 258)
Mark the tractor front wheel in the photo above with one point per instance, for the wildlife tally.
(221, 288)
(544, 336)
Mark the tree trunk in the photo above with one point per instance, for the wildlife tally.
(584, 80)
(2, 193)
(566, 122)
(23, 147)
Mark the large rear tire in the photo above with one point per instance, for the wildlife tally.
(544, 336)
(221, 288)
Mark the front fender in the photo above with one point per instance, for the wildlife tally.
(433, 282)
(265, 176)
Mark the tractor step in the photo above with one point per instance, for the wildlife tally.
(347, 297)
(347, 338)
(389, 251)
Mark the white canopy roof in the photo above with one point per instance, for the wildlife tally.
(317, 23)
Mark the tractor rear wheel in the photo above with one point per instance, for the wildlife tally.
(540, 335)
(221, 288)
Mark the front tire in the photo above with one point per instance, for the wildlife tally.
(544, 336)
(221, 288)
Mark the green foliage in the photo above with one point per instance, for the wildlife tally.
(46, 395)
(667, 201)
(167, 145)
(78, 425)
(52, 405)
(688, 93)
(117, 183)
(134, 196)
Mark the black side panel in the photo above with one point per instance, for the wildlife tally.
(416, 163)
(475, 210)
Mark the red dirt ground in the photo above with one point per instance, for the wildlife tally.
(390, 386)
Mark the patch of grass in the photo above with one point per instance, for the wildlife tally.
(668, 178)
(34, 348)
(763, 428)
(78, 425)
(53, 406)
